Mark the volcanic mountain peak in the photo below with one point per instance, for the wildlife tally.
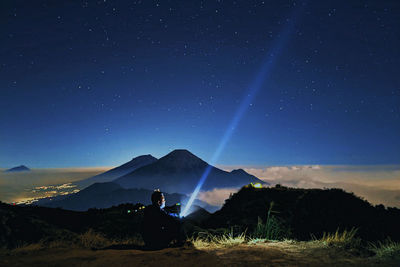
(239, 171)
(18, 169)
(140, 160)
(180, 153)
(143, 157)
(182, 158)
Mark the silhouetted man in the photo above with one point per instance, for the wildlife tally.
(158, 227)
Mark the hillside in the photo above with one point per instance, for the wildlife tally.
(306, 212)
(52, 236)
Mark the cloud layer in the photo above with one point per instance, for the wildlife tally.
(378, 184)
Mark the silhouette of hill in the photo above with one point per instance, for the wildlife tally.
(180, 171)
(198, 216)
(301, 211)
(119, 171)
(105, 195)
(20, 168)
(308, 211)
(29, 224)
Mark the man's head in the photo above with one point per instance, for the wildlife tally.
(157, 198)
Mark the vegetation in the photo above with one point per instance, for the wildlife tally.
(300, 213)
(226, 239)
(386, 249)
(88, 240)
(297, 218)
(338, 238)
(272, 229)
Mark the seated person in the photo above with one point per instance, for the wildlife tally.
(158, 227)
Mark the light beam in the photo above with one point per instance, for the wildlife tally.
(255, 86)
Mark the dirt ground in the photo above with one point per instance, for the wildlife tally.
(259, 254)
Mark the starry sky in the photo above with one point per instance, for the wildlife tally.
(95, 83)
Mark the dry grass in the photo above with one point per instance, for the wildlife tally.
(88, 240)
(386, 249)
(92, 239)
(211, 249)
(338, 238)
(210, 241)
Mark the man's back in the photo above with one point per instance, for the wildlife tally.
(158, 228)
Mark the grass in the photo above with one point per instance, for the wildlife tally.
(343, 242)
(88, 240)
(208, 240)
(92, 239)
(268, 233)
(224, 238)
(386, 249)
(339, 238)
(272, 229)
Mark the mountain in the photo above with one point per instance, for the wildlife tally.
(119, 171)
(105, 195)
(180, 171)
(198, 216)
(20, 168)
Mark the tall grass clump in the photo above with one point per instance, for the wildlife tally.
(345, 238)
(272, 229)
(386, 249)
(92, 239)
(212, 240)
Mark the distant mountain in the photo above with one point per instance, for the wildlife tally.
(119, 171)
(180, 171)
(20, 168)
(105, 195)
(198, 216)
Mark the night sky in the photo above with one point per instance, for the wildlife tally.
(95, 83)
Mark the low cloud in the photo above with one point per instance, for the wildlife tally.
(216, 197)
(377, 184)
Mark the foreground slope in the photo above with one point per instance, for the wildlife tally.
(260, 254)
(180, 171)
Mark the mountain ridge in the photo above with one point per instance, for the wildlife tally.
(119, 171)
(180, 171)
